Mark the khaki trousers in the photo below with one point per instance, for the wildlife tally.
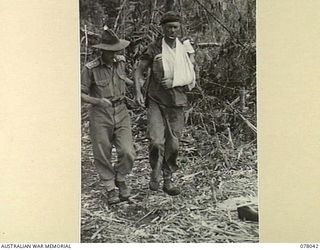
(109, 127)
(164, 130)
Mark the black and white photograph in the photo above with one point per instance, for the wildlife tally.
(168, 121)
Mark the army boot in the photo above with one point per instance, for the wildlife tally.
(113, 197)
(124, 191)
(154, 185)
(169, 188)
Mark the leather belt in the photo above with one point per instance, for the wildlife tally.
(117, 102)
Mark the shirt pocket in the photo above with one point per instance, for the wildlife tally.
(104, 88)
(102, 83)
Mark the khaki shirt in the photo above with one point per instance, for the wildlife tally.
(104, 81)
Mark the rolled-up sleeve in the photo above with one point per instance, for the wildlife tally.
(86, 80)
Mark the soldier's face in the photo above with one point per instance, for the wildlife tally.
(108, 56)
(171, 30)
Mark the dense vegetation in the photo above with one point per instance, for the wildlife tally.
(218, 155)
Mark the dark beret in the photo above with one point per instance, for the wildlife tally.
(170, 16)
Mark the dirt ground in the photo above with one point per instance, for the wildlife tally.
(205, 211)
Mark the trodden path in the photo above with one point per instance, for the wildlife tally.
(205, 211)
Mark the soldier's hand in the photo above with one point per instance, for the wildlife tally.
(140, 99)
(167, 83)
(104, 103)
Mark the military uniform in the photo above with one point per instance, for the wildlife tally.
(109, 126)
(165, 113)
